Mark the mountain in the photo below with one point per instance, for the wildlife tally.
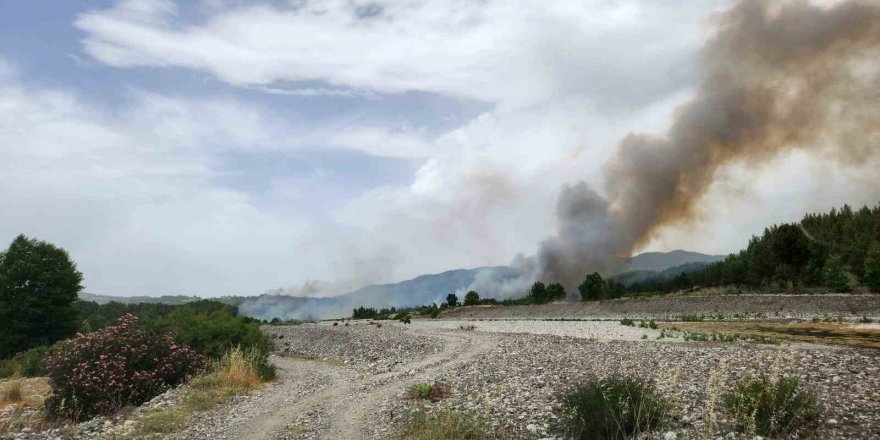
(424, 289)
(660, 261)
(164, 299)
(641, 276)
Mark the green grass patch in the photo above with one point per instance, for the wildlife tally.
(772, 407)
(614, 408)
(444, 426)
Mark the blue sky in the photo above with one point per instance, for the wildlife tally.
(219, 147)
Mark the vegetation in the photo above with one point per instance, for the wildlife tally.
(472, 298)
(613, 408)
(433, 392)
(99, 372)
(594, 288)
(11, 392)
(817, 252)
(26, 364)
(237, 372)
(451, 300)
(445, 425)
(627, 322)
(38, 284)
(777, 407)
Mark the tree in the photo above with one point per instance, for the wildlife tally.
(38, 284)
(555, 292)
(591, 288)
(538, 293)
(451, 300)
(872, 268)
(835, 278)
(471, 298)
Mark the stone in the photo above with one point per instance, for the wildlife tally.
(670, 436)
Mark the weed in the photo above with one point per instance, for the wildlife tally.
(162, 421)
(772, 407)
(443, 426)
(433, 392)
(12, 392)
(691, 317)
(613, 408)
(648, 324)
(627, 322)
(467, 328)
(866, 320)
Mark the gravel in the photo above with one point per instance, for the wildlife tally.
(668, 308)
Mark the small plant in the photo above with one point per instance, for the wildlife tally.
(443, 426)
(627, 322)
(613, 408)
(691, 317)
(644, 336)
(335, 324)
(11, 392)
(648, 324)
(433, 392)
(866, 320)
(467, 328)
(772, 407)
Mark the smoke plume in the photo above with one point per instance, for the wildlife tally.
(777, 76)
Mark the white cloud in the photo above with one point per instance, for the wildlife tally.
(514, 53)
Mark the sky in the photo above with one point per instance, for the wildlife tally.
(221, 147)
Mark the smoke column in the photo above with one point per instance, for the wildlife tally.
(777, 76)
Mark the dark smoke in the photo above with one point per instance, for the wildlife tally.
(777, 76)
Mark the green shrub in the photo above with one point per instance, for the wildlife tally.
(121, 365)
(627, 321)
(433, 392)
(446, 425)
(29, 363)
(780, 407)
(613, 408)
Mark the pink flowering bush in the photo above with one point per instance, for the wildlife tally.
(121, 365)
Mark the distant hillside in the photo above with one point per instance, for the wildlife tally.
(165, 299)
(651, 276)
(424, 289)
(660, 261)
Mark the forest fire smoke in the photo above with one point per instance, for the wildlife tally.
(777, 76)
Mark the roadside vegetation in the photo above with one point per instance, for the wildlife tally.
(429, 391)
(775, 407)
(614, 408)
(445, 425)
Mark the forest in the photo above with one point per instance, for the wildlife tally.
(837, 251)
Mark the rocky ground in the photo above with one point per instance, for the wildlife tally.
(349, 381)
(776, 306)
(513, 380)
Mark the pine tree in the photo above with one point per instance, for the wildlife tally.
(835, 277)
(872, 268)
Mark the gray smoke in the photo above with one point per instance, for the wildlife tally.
(777, 75)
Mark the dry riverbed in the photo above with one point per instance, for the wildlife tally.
(349, 381)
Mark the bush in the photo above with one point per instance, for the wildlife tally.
(443, 426)
(433, 392)
(29, 363)
(613, 408)
(627, 321)
(244, 368)
(99, 372)
(777, 407)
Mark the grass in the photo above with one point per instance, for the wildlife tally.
(810, 332)
(238, 372)
(627, 322)
(772, 407)
(445, 425)
(433, 392)
(12, 392)
(614, 408)
(648, 324)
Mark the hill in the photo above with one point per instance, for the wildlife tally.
(660, 261)
(424, 289)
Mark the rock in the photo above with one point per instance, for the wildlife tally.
(670, 436)
(831, 421)
(532, 428)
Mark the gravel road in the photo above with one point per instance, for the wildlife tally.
(508, 372)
